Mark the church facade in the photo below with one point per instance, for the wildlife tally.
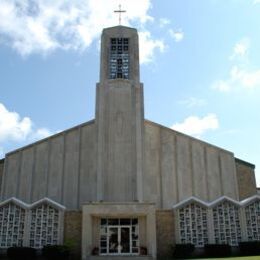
(120, 185)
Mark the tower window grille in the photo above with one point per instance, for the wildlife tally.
(119, 58)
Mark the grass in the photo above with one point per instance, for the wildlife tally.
(219, 258)
(235, 258)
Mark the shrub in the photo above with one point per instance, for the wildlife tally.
(26, 253)
(217, 250)
(95, 251)
(143, 250)
(56, 252)
(249, 248)
(183, 250)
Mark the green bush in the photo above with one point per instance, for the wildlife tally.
(183, 250)
(249, 248)
(18, 253)
(56, 252)
(217, 250)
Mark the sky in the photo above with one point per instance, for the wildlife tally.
(200, 65)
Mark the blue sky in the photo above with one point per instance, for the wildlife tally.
(200, 65)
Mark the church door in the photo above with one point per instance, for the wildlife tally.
(119, 237)
(119, 240)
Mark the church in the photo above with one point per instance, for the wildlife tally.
(120, 186)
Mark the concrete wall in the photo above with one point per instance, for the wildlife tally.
(1, 172)
(62, 168)
(117, 141)
(73, 231)
(178, 166)
(165, 233)
(246, 179)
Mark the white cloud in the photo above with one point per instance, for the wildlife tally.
(41, 133)
(2, 154)
(163, 22)
(148, 45)
(240, 74)
(176, 35)
(256, 2)
(238, 77)
(45, 25)
(193, 102)
(14, 128)
(196, 126)
(240, 49)
(248, 79)
(222, 85)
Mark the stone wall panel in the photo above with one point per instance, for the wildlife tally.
(246, 179)
(72, 231)
(165, 233)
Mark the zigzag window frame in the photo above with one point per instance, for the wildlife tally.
(28, 211)
(239, 209)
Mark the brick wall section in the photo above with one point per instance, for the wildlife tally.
(1, 172)
(72, 231)
(246, 179)
(165, 233)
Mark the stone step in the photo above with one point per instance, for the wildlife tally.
(118, 257)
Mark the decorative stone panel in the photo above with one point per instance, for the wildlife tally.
(193, 225)
(44, 226)
(34, 225)
(226, 223)
(12, 225)
(252, 212)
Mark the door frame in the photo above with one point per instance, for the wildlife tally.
(94, 210)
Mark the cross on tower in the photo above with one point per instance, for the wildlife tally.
(119, 13)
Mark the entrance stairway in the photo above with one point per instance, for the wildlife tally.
(118, 257)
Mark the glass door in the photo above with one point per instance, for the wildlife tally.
(125, 240)
(113, 240)
(119, 236)
(119, 240)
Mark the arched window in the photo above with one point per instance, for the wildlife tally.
(226, 221)
(12, 225)
(44, 226)
(193, 224)
(252, 212)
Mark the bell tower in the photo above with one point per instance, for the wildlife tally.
(119, 117)
(119, 54)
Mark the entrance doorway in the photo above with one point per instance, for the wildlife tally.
(119, 236)
(119, 240)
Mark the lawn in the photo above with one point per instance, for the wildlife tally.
(234, 258)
